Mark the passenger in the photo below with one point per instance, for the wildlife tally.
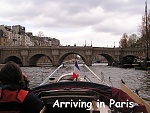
(13, 99)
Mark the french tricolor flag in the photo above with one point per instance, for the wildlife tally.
(76, 71)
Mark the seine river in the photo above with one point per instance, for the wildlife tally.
(134, 79)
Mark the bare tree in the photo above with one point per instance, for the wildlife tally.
(132, 41)
(142, 29)
(40, 34)
(123, 41)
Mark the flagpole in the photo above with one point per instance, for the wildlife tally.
(147, 58)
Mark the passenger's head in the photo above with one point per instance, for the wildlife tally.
(11, 73)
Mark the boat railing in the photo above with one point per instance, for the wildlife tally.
(102, 82)
(85, 77)
(51, 74)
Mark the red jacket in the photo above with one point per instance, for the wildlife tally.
(11, 101)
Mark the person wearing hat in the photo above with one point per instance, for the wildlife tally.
(13, 98)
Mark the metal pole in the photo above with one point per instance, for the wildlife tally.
(95, 75)
(51, 75)
(147, 58)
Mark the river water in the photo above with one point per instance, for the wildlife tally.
(134, 79)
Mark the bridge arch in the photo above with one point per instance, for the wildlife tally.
(129, 59)
(15, 59)
(25, 55)
(34, 59)
(108, 57)
(69, 53)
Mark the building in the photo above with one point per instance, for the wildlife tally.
(11, 35)
(3, 39)
(17, 36)
(28, 39)
(45, 41)
(54, 42)
(5, 35)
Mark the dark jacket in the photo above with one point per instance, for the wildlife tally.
(19, 101)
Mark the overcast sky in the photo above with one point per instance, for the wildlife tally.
(76, 21)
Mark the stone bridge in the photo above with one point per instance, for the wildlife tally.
(28, 56)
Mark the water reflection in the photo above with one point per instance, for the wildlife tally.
(145, 85)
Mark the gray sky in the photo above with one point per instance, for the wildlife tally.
(76, 21)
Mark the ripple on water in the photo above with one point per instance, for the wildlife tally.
(134, 79)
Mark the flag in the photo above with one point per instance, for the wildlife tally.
(76, 71)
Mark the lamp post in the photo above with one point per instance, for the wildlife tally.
(114, 44)
(147, 58)
(85, 43)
